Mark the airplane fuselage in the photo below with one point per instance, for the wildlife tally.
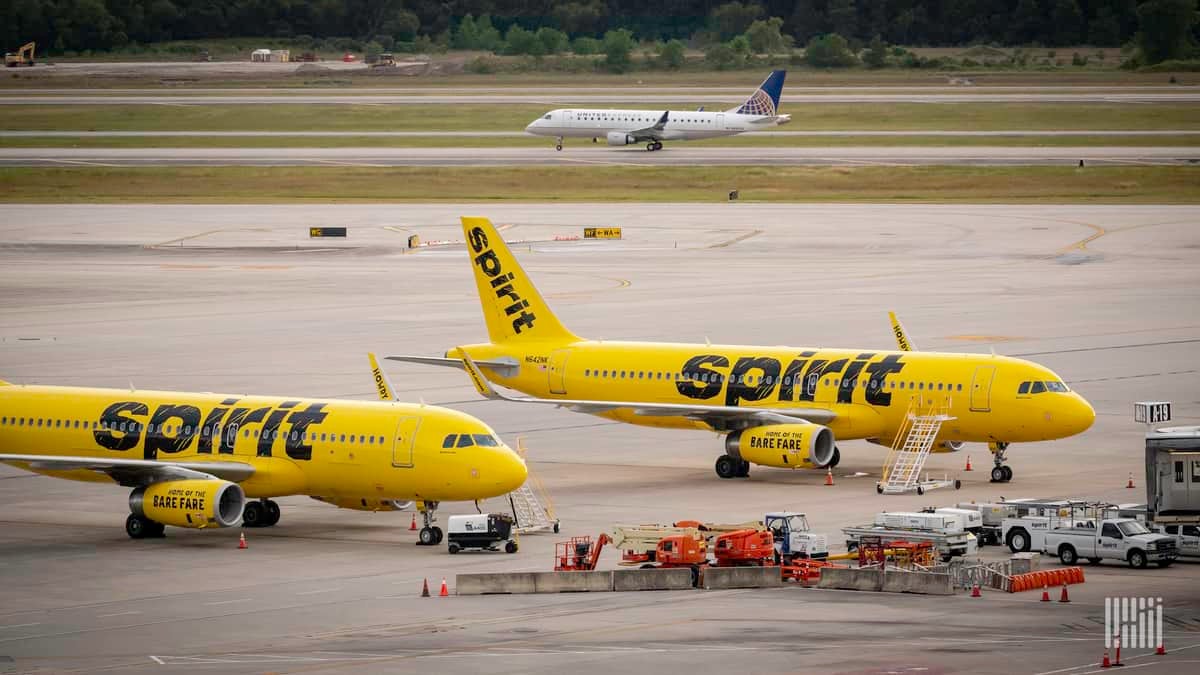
(680, 125)
(297, 446)
(869, 391)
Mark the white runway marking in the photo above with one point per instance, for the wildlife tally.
(20, 625)
(229, 602)
(103, 616)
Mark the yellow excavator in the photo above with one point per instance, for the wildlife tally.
(21, 57)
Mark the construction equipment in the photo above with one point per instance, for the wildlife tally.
(21, 57)
(793, 539)
(580, 554)
(532, 513)
(914, 440)
(744, 548)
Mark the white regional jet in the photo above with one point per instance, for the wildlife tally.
(626, 127)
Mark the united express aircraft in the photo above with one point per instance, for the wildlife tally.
(776, 406)
(214, 460)
(760, 112)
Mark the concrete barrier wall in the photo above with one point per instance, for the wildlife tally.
(652, 580)
(850, 578)
(740, 577)
(572, 582)
(925, 583)
(504, 582)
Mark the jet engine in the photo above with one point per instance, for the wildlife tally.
(190, 503)
(364, 503)
(620, 138)
(948, 446)
(785, 446)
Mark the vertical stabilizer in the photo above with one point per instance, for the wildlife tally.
(765, 100)
(512, 307)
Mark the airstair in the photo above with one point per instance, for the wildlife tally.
(531, 513)
(914, 440)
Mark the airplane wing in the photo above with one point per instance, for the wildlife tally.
(654, 132)
(505, 367)
(717, 416)
(898, 331)
(136, 472)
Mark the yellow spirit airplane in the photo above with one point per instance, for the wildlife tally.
(777, 406)
(193, 460)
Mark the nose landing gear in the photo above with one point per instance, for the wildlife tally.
(430, 534)
(1001, 472)
(558, 144)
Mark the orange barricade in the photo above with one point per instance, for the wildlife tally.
(1046, 578)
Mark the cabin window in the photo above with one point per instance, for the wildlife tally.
(921, 386)
(362, 438)
(486, 440)
(449, 442)
(959, 386)
(1037, 388)
(939, 386)
(605, 373)
(21, 422)
(464, 441)
(57, 424)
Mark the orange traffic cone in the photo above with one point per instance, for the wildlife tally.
(413, 527)
(1064, 597)
(1161, 650)
(975, 591)
(425, 588)
(829, 476)
(968, 464)
(1046, 593)
(444, 592)
(242, 541)
(1106, 663)
(1130, 483)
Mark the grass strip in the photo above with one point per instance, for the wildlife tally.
(1021, 185)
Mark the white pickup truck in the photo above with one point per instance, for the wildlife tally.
(1116, 539)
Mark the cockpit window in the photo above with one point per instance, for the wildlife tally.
(465, 441)
(1058, 387)
(547, 116)
(1037, 388)
(449, 442)
(486, 440)
(1024, 388)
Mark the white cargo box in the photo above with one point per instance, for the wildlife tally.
(474, 523)
(967, 519)
(928, 522)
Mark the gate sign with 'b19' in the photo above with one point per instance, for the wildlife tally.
(1152, 412)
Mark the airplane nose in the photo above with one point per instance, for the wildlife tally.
(512, 473)
(1082, 414)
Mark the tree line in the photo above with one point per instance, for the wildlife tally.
(77, 25)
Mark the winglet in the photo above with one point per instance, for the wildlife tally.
(481, 383)
(898, 330)
(382, 384)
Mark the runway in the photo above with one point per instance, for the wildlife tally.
(554, 98)
(522, 134)
(673, 155)
(237, 298)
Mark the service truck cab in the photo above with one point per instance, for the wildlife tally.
(1187, 538)
(793, 540)
(1122, 539)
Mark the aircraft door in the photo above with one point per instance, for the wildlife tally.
(557, 372)
(981, 389)
(404, 441)
(720, 121)
(568, 118)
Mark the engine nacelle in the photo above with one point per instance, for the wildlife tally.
(620, 138)
(785, 446)
(364, 503)
(190, 503)
(948, 446)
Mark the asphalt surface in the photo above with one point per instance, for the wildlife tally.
(553, 98)
(675, 154)
(237, 298)
(521, 134)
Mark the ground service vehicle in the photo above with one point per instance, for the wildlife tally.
(943, 531)
(580, 554)
(483, 531)
(793, 540)
(968, 519)
(1116, 539)
(21, 57)
(744, 548)
(1187, 538)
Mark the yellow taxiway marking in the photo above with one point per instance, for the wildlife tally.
(1082, 243)
(180, 240)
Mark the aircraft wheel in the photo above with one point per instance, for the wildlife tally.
(1008, 472)
(255, 515)
(427, 537)
(957, 484)
(743, 469)
(837, 458)
(273, 513)
(437, 532)
(558, 147)
(879, 488)
(657, 145)
(649, 147)
(726, 467)
(139, 527)
(997, 474)
(920, 490)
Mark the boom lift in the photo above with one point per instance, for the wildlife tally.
(22, 57)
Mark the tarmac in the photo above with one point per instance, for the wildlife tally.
(579, 152)
(237, 298)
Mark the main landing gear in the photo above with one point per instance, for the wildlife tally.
(141, 527)
(653, 145)
(1001, 473)
(430, 534)
(558, 144)
(262, 513)
(728, 467)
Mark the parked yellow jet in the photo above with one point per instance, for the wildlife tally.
(777, 406)
(194, 459)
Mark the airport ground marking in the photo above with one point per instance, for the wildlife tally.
(104, 616)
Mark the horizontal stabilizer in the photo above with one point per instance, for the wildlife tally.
(505, 367)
